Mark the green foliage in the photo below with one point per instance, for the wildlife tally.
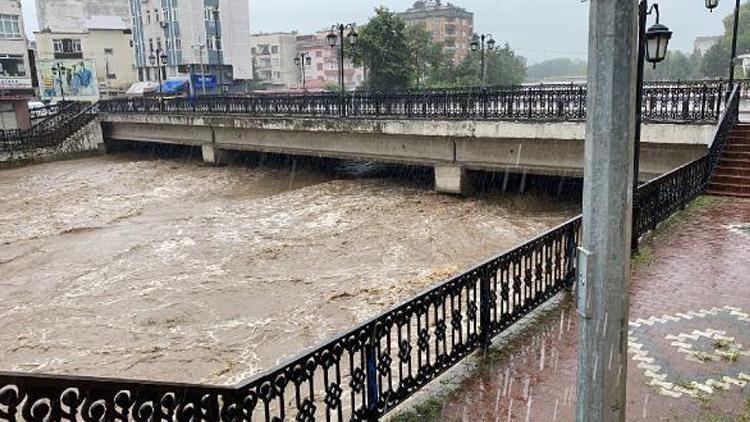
(397, 57)
(384, 51)
(677, 66)
(503, 66)
(556, 68)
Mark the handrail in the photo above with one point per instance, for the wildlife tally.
(695, 102)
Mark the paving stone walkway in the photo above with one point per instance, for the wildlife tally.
(689, 336)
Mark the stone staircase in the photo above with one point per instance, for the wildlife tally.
(732, 176)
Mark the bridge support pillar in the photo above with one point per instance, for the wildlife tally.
(451, 179)
(214, 155)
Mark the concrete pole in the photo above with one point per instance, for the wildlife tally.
(604, 270)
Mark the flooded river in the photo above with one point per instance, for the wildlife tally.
(130, 266)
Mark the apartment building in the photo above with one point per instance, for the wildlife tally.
(323, 70)
(15, 74)
(451, 26)
(205, 42)
(273, 59)
(103, 42)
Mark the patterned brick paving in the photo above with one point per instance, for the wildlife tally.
(689, 338)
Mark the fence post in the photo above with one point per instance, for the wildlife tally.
(484, 309)
(636, 217)
(371, 371)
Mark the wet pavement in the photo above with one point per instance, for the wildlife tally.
(127, 266)
(689, 337)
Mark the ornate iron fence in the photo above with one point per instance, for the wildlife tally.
(369, 370)
(663, 102)
(52, 131)
(661, 197)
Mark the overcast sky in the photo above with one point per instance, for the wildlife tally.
(536, 29)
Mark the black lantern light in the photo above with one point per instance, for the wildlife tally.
(352, 37)
(475, 44)
(712, 4)
(491, 44)
(332, 38)
(657, 41)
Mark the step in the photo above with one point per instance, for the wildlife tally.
(734, 139)
(731, 194)
(734, 155)
(732, 171)
(734, 147)
(728, 188)
(725, 179)
(727, 162)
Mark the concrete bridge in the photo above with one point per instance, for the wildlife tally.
(450, 146)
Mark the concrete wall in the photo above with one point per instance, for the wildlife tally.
(536, 148)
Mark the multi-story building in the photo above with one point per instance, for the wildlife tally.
(104, 41)
(323, 70)
(15, 75)
(451, 26)
(273, 59)
(203, 39)
(71, 15)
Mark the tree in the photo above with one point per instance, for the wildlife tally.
(504, 67)
(715, 62)
(428, 58)
(676, 66)
(384, 51)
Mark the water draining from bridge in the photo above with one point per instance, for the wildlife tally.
(165, 269)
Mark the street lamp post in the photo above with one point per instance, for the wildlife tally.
(652, 47)
(478, 44)
(334, 38)
(59, 69)
(302, 61)
(158, 58)
(711, 5)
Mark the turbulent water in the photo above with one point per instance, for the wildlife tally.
(126, 266)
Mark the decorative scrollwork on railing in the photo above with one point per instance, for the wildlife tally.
(663, 102)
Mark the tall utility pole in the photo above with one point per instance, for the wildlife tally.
(604, 263)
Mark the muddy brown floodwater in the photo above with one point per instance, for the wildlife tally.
(127, 266)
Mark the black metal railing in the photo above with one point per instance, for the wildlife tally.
(50, 132)
(367, 371)
(697, 102)
(661, 197)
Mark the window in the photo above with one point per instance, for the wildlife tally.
(12, 65)
(67, 48)
(148, 16)
(111, 76)
(208, 13)
(318, 53)
(109, 51)
(320, 66)
(275, 49)
(209, 43)
(276, 63)
(156, 15)
(276, 75)
(158, 43)
(9, 27)
(177, 44)
(151, 44)
(253, 51)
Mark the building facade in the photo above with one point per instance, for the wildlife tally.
(273, 59)
(104, 42)
(71, 15)
(323, 70)
(16, 88)
(451, 26)
(204, 41)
